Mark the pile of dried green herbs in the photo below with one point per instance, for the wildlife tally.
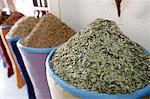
(49, 32)
(101, 59)
(23, 27)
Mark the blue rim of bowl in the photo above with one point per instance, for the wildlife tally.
(6, 27)
(11, 39)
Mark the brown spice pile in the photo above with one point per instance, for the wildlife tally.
(49, 32)
(14, 17)
(3, 17)
(23, 27)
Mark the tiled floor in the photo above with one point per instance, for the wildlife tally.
(8, 88)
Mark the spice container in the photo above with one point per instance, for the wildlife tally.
(7, 63)
(50, 32)
(21, 29)
(9, 22)
(62, 90)
(5, 55)
(34, 59)
(99, 62)
(6, 60)
(4, 52)
(22, 68)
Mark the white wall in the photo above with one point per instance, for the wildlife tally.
(25, 6)
(134, 21)
(78, 13)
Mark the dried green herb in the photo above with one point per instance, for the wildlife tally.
(101, 58)
(23, 27)
(49, 32)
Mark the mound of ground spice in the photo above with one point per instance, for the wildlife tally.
(101, 58)
(12, 19)
(49, 32)
(23, 27)
(3, 17)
